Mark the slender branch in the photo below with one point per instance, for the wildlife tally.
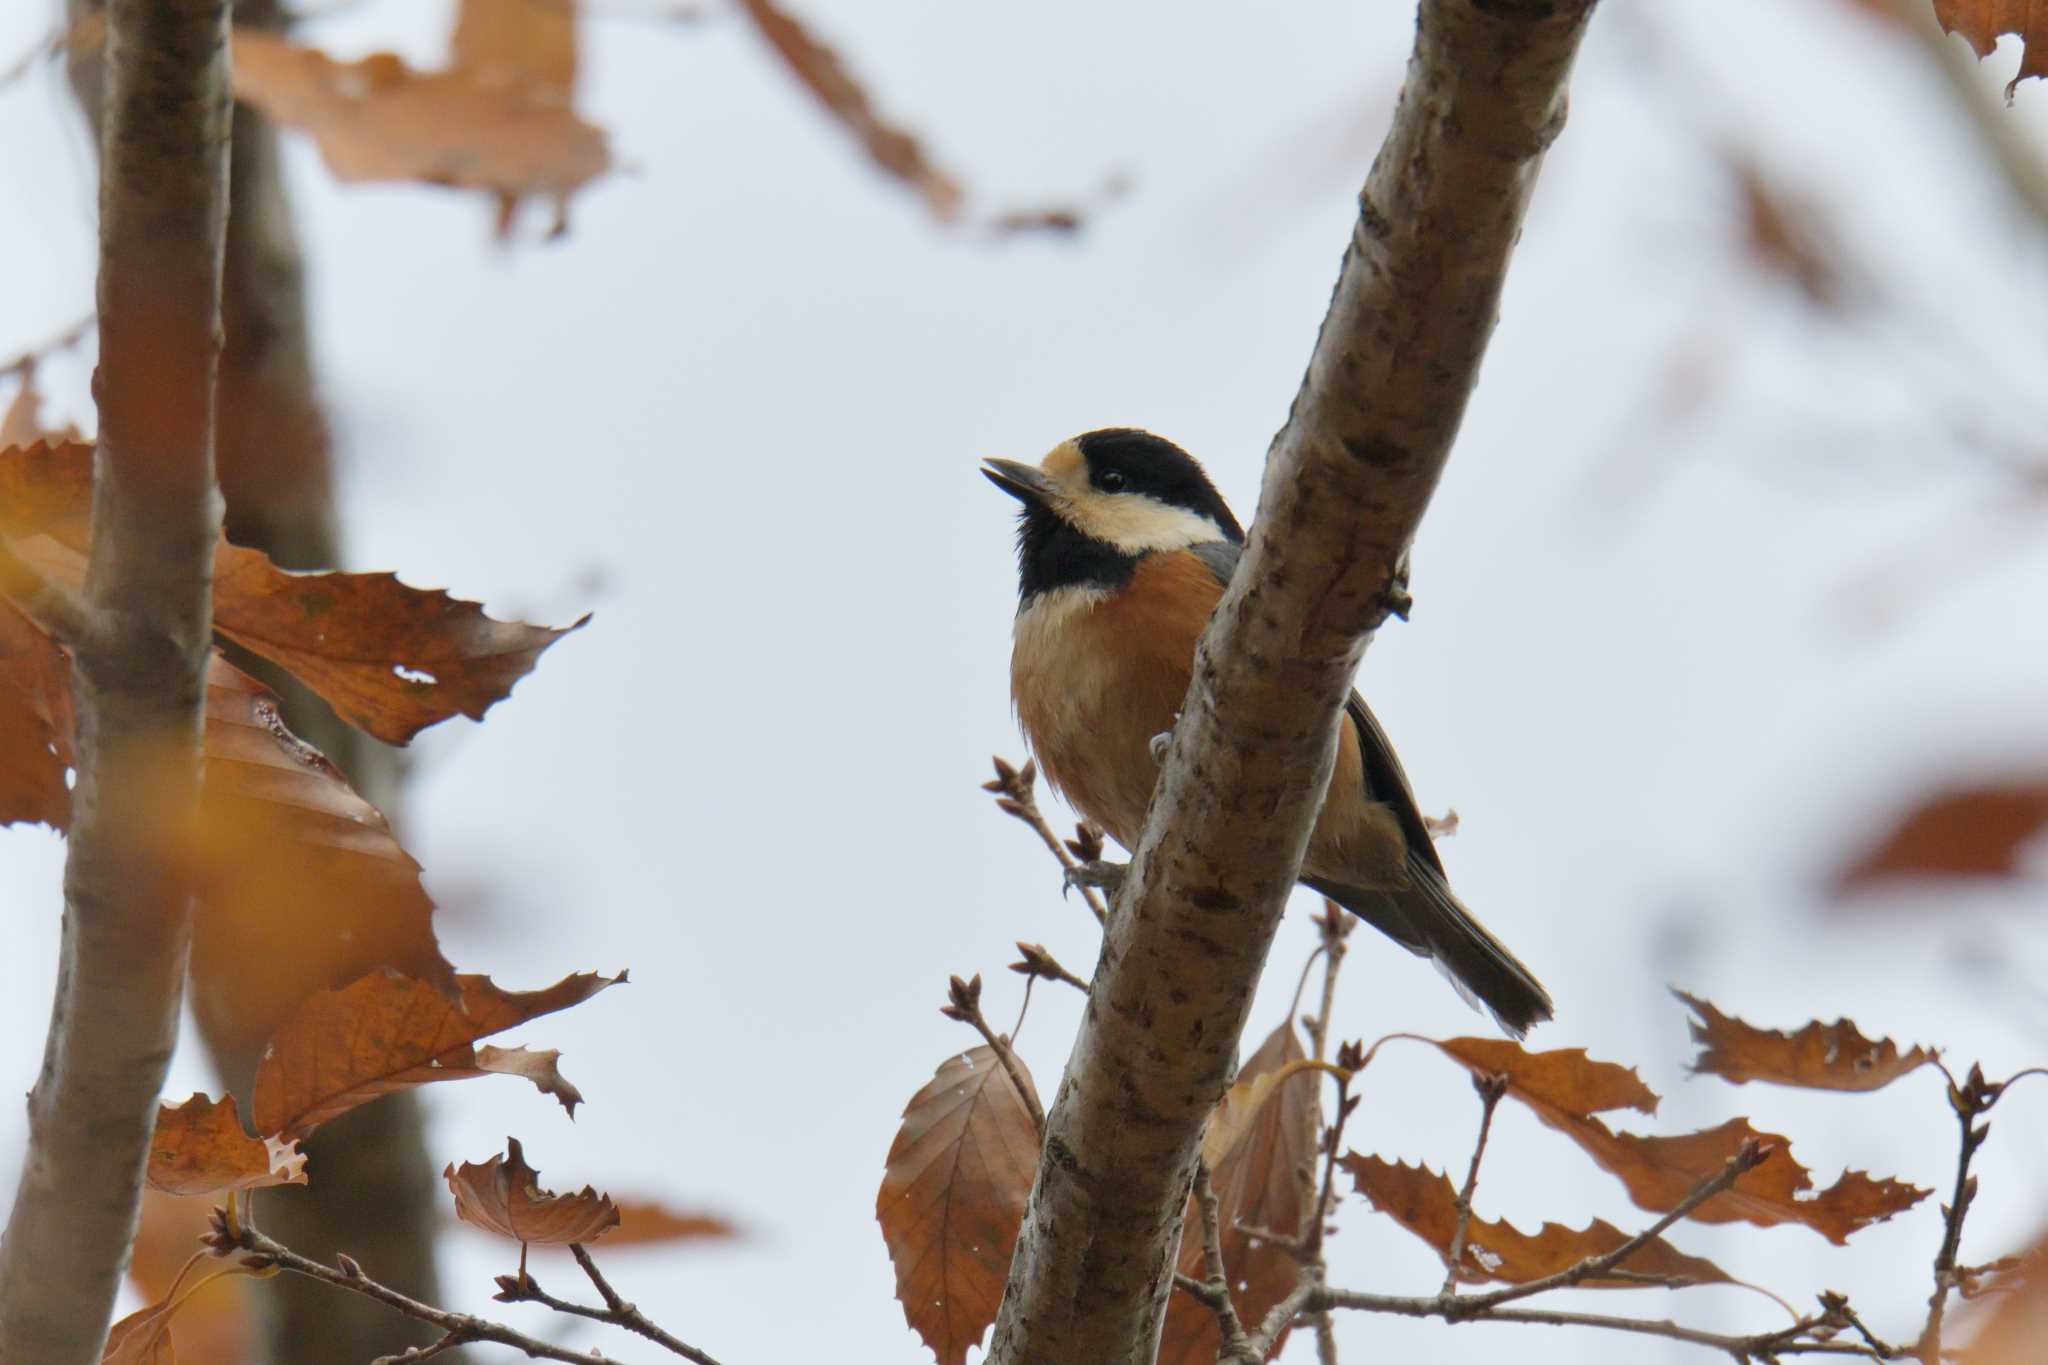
(966, 1007)
(139, 685)
(1016, 792)
(1346, 484)
(447, 1342)
(1038, 961)
(464, 1327)
(616, 1311)
(1969, 1099)
(1491, 1089)
(1215, 1287)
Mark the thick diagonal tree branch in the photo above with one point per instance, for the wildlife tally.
(139, 683)
(1345, 487)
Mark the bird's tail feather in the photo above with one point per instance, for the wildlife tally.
(1427, 919)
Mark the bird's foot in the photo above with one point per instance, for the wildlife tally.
(1162, 741)
(1103, 876)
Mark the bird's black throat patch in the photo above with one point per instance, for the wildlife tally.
(1051, 554)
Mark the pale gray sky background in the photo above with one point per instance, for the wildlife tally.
(737, 413)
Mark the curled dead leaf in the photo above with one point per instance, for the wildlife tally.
(199, 1148)
(1426, 1204)
(952, 1198)
(1818, 1057)
(386, 1032)
(1983, 22)
(539, 1065)
(503, 1195)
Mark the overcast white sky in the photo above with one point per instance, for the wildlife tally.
(737, 413)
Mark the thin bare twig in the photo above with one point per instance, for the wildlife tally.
(1491, 1089)
(1017, 796)
(1970, 1099)
(617, 1312)
(966, 1007)
(1214, 1289)
(448, 1342)
(1038, 961)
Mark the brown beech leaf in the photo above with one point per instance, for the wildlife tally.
(503, 1195)
(1261, 1148)
(200, 1148)
(386, 1032)
(46, 489)
(390, 659)
(1983, 21)
(378, 119)
(216, 1325)
(1426, 1204)
(1564, 1089)
(538, 1065)
(1818, 1057)
(825, 76)
(304, 888)
(952, 1199)
(1961, 832)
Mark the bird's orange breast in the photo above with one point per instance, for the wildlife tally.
(1096, 673)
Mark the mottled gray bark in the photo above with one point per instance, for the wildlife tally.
(139, 662)
(1346, 483)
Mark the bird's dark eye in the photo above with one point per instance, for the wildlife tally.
(1110, 481)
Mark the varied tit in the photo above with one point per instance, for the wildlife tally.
(1123, 548)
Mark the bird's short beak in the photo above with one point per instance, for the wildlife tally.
(1026, 483)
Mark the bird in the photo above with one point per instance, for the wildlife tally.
(1124, 548)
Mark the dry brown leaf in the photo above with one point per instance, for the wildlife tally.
(1564, 1082)
(46, 489)
(390, 659)
(1818, 1057)
(387, 1032)
(1565, 1090)
(539, 1065)
(1426, 1204)
(1261, 1148)
(22, 424)
(1983, 21)
(649, 1223)
(2012, 1325)
(519, 43)
(305, 888)
(144, 1336)
(953, 1193)
(199, 1148)
(35, 724)
(504, 1196)
(1962, 832)
(215, 1326)
(825, 76)
(378, 119)
(1787, 237)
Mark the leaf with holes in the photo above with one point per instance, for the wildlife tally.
(1818, 1057)
(952, 1199)
(1261, 1148)
(1425, 1203)
(199, 1148)
(389, 658)
(385, 1033)
(503, 1195)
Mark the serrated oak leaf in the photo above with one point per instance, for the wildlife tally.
(1565, 1089)
(820, 70)
(1565, 1082)
(1977, 831)
(1425, 1203)
(1261, 1148)
(199, 1148)
(390, 659)
(952, 1198)
(503, 1195)
(1983, 21)
(378, 119)
(1818, 1057)
(386, 1032)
